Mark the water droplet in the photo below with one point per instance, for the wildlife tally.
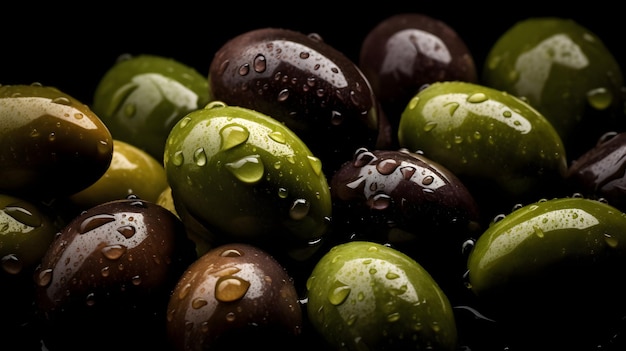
(379, 201)
(413, 102)
(428, 180)
(338, 293)
(230, 317)
(178, 158)
(477, 98)
(316, 164)
(198, 302)
(34, 133)
(283, 193)
(386, 167)
(392, 275)
(600, 98)
(299, 209)
(260, 65)
(283, 95)
(507, 113)
(233, 135)
(244, 69)
(231, 253)
(184, 122)
(62, 101)
(136, 280)
(113, 252)
(452, 107)
(248, 169)
(106, 271)
(430, 126)
(127, 231)
(362, 157)
(11, 264)
(278, 137)
(230, 288)
(44, 277)
(393, 317)
(199, 157)
(304, 55)
(336, 118)
(94, 222)
(611, 240)
(23, 216)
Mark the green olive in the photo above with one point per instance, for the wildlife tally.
(488, 138)
(140, 98)
(132, 172)
(558, 262)
(367, 296)
(566, 72)
(245, 176)
(51, 145)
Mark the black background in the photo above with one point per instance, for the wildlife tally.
(71, 47)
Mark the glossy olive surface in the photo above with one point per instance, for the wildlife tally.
(132, 172)
(113, 266)
(141, 97)
(302, 81)
(50, 143)
(366, 296)
(488, 138)
(553, 262)
(245, 176)
(564, 70)
(600, 172)
(403, 199)
(235, 296)
(405, 51)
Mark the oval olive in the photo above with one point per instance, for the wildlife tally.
(305, 83)
(245, 176)
(51, 145)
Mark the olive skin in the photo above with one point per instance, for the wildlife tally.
(239, 175)
(366, 296)
(405, 51)
(404, 200)
(599, 172)
(132, 171)
(235, 296)
(140, 98)
(487, 138)
(114, 266)
(51, 145)
(566, 72)
(553, 262)
(307, 84)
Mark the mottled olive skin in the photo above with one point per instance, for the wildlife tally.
(51, 145)
(553, 262)
(366, 296)
(113, 266)
(566, 72)
(305, 83)
(235, 296)
(405, 51)
(132, 172)
(407, 201)
(140, 98)
(243, 176)
(487, 138)
(599, 172)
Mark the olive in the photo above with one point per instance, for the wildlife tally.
(565, 71)
(305, 83)
(366, 296)
(234, 297)
(51, 145)
(105, 281)
(132, 172)
(502, 149)
(241, 175)
(404, 200)
(557, 265)
(405, 51)
(599, 172)
(140, 98)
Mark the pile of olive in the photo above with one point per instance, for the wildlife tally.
(412, 197)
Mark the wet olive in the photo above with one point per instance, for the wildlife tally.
(105, 281)
(140, 98)
(132, 172)
(566, 72)
(245, 176)
(491, 140)
(557, 265)
(407, 201)
(367, 296)
(235, 296)
(599, 172)
(51, 145)
(302, 81)
(405, 51)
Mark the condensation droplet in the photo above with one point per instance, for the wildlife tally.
(260, 65)
(127, 231)
(199, 157)
(233, 135)
(94, 222)
(283, 193)
(62, 100)
(299, 209)
(178, 158)
(278, 137)
(44, 277)
(386, 167)
(600, 98)
(429, 126)
(338, 293)
(23, 216)
(198, 302)
(231, 253)
(244, 69)
(12, 264)
(379, 201)
(611, 241)
(230, 288)
(283, 95)
(477, 98)
(316, 164)
(248, 169)
(113, 252)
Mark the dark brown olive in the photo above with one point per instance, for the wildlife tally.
(105, 281)
(234, 297)
(407, 51)
(407, 201)
(50, 143)
(600, 172)
(305, 83)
